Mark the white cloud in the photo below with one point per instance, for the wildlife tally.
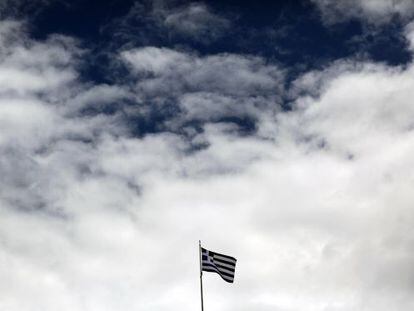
(206, 88)
(155, 60)
(223, 73)
(28, 66)
(409, 34)
(153, 22)
(316, 205)
(373, 11)
(196, 21)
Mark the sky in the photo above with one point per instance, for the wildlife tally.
(277, 132)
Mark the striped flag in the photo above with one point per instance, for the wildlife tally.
(222, 264)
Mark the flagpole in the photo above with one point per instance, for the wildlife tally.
(201, 275)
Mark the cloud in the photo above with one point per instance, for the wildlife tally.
(409, 34)
(197, 22)
(167, 22)
(181, 72)
(373, 11)
(315, 203)
(36, 68)
(25, 8)
(205, 88)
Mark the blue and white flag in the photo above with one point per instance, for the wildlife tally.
(221, 264)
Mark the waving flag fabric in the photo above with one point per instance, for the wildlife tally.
(222, 264)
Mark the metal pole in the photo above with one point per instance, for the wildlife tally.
(201, 276)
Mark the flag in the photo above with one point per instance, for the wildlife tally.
(222, 264)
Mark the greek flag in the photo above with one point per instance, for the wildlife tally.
(222, 264)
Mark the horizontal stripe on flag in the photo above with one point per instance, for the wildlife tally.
(229, 274)
(224, 257)
(224, 269)
(230, 263)
(224, 277)
(221, 265)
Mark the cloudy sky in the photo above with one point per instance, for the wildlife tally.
(277, 132)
